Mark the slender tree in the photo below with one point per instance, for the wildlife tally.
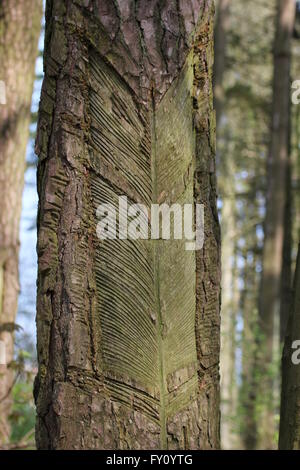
(19, 33)
(289, 433)
(221, 32)
(128, 331)
(275, 203)
(241, 143)
(286, 273)
(229, 304)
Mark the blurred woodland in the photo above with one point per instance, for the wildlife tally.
(248, 44)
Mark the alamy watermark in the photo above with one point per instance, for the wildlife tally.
(137, 222)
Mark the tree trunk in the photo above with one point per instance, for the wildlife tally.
(286, 273)
(249, 385)
(229, 307)
(229, 301)
(289, 433)
(19, 33)
(275, 204)
(128, 331)
(221, 30)
(229, 311)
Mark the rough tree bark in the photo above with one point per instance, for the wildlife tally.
(275, 204)
(128, 331)
(289, 432)
(226, 189)
(19, 33)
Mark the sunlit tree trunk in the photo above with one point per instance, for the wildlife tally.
(230, 301)
(227, 193)
(289, 433)
(19, 32)
(275, 204)
(128, 331)
(221, 31)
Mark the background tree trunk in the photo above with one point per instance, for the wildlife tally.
(19, 33)
(286, 273)
(227, 193)
(221, 31)
(128, 354)
(249, 298)
(275, 204)
(289, 433)
(229, 315)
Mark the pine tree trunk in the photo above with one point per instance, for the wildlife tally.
(275, 204)
(230, 306)
(19, 32)
(128, 331)
(289, 433)
(249, 385)
(221, 30)
(228, 314)
(286, 273)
